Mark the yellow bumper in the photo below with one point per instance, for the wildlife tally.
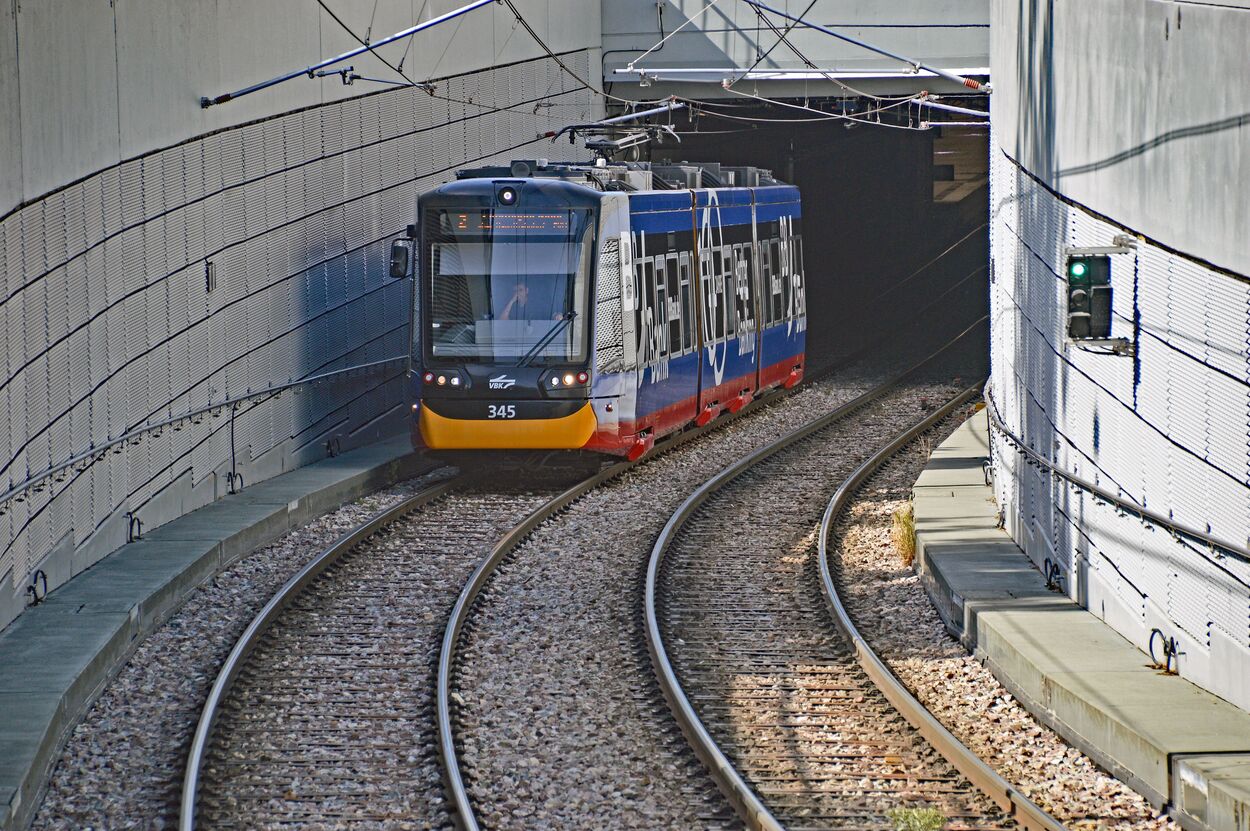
(565, 433)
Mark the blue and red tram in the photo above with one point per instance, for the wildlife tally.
(600, 307)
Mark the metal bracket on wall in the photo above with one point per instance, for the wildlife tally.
(1120, 244)
(134, 527)
(39, 578)
(1106, 346)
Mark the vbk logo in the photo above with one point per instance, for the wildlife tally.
(502, 382)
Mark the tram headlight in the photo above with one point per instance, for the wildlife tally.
(453, 378)
(558, 379)
(507, 196)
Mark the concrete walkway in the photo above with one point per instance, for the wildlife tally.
(57, 655)
(1180, 746)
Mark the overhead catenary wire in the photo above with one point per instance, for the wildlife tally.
(783, 37)
(858, 118)
(970, 83)
(351, 53)
(407, 80)
(664, 38)
(542, 44)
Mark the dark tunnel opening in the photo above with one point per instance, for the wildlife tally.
(895, 220)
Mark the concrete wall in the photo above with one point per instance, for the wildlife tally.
(1100, 130)
(139, 68)
(952, 34)
(1137, 109)
(129, 191)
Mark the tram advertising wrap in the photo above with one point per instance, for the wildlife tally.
(600, 307)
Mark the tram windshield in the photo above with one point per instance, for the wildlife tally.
(506, 286)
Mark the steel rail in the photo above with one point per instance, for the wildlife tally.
(749, 806)
(452, 776)
(261, 623)
(1176, 529)
(745, 801)
(1008, 797)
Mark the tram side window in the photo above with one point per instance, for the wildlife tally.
(787, 310)
(687, 310)
(660, 320)
(775, 283)
(766, 274)
(674, 305)
(742, 282)
(715, 297)
(706, 295)
(648, 314)
(639, 311)
(800, 290)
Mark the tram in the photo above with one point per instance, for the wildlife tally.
(599, 306)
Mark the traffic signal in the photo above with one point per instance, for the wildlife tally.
(1089, 296)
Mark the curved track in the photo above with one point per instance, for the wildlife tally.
(298, 740)
(322, 713)
(287, 736)
(448, 710)
(798, 729)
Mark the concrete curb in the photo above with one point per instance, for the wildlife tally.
(59, 655)
(1186, 750)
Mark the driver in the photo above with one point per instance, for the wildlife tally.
(518, 307)
(521, 308)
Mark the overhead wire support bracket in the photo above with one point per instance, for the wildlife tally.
(311, 72)
(916, 66)
(573, 129)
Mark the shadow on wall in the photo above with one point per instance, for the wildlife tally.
(294, 214)
(1035, 47)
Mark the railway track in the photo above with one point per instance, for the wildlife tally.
(323, 715)
(798, 721)
(298, 739)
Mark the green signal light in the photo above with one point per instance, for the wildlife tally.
(1078, 269)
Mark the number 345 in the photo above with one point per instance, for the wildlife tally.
(502, 411)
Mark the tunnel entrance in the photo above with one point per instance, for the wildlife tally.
(894, 219)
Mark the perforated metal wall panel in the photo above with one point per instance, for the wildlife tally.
(609, 334)
(1167, 429)
(109, 323)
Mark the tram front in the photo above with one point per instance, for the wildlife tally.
(501, 351)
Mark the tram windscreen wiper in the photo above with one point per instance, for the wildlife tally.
(555, 329)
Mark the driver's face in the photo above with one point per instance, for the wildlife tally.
(522, 292)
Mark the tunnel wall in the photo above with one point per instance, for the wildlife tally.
(952, 34)
(184, 284)
(1099, 132)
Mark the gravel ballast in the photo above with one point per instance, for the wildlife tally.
(889, 605)
(122, 766)
(750, 637)
(331, 721)
(562, 724)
